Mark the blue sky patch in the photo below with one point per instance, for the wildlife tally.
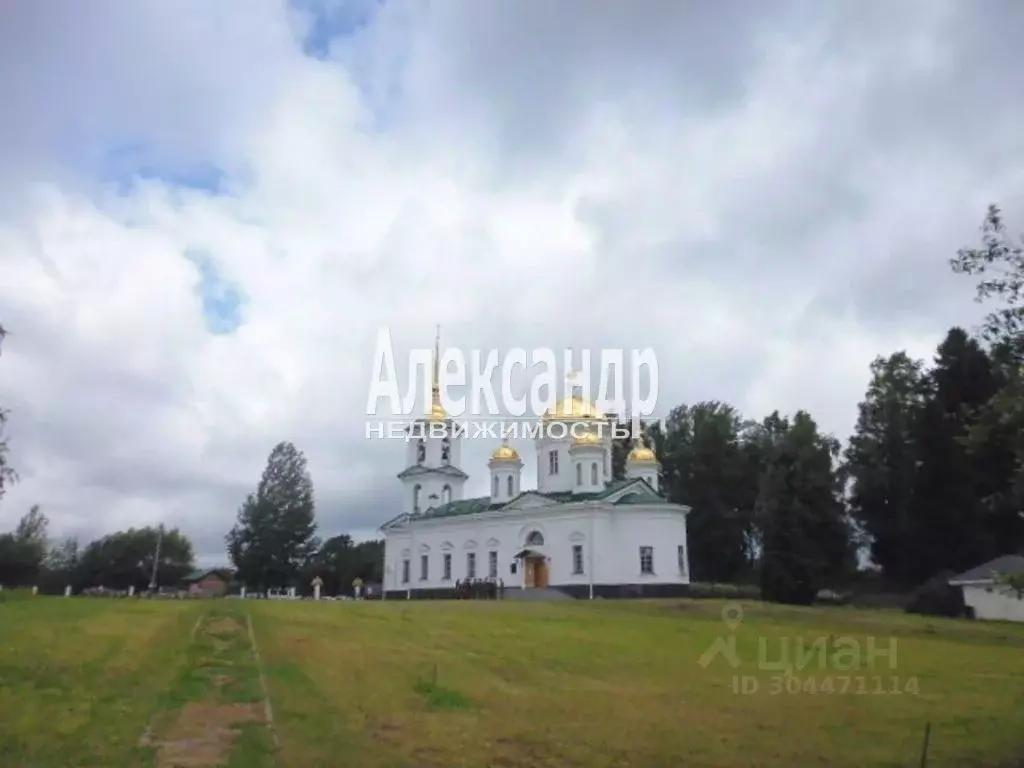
(332, 19)
(222, 300)
(125, 163)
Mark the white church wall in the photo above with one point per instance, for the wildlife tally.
(610, 538)
(664, 532)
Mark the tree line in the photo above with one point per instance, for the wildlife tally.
(276, 556)
(118, 561)
(931, 481)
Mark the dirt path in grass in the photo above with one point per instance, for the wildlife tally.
(218, 713)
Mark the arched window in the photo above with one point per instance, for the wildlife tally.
(416, 498)
(421, 451)
(579, 474)
(535, 539)
(446, 494)
(593, 473)
(495, 486)
(510, 485)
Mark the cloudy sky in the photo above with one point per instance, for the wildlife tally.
(208, 210)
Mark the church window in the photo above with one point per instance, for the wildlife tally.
(416, 498)
(682, 558)
(495, 486)
(424, 566)
(405, 571)
(421, 451)
(492, 565)
(579, 474)
(553, 462)
(647, 560)
(593, 473)
(535, 539)
(471, 565)
(446, 495)
(510, 485)
(446, 450)
(577, 559)
(446, 561)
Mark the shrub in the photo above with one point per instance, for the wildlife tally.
(937, 598)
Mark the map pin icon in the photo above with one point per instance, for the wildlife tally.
(732, 615)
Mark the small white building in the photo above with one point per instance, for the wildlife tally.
(578, 532)
(988, 598)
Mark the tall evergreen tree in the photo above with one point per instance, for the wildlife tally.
(882, 462)
(274, 536)
(949, 520)
(806, 536)
(704, 466)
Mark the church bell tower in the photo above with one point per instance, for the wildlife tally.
(432, 477)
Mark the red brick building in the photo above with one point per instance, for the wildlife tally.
(212, 582)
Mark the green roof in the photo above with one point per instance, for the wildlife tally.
(462, 507)
(224, 573)
(484, 504)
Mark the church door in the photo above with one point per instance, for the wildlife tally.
(536, 572)
(541, 579)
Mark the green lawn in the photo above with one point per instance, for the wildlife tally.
(91, 682)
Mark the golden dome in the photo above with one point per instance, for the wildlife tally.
(505, 452)
(575, 408)
(641, 452)
(586, 439)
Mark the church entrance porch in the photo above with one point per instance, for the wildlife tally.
(535, 568)
(536, 572)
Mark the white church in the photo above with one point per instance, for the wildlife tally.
(578, 532)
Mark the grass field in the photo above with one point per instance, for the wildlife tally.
(106, 683)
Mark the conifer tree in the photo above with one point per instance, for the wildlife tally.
(806, 537)
(274, 536)
(951, 525)
(882, 463)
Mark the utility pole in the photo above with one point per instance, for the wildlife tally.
(156, 557)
